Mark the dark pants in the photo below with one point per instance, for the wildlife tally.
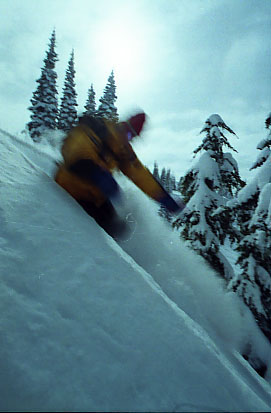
(106, 217)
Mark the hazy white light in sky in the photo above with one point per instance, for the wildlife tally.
(122, 48)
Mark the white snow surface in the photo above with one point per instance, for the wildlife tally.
(258, 182)
(215, 120)
(88, 324)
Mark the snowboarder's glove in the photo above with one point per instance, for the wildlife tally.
(100, 177)
(170, 204)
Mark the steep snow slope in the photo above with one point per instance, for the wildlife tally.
(86, 328)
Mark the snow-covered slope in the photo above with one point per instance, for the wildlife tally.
(86, 326)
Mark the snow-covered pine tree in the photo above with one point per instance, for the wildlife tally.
(253, 208)
(214, 143)
(163, 177)
(264, 146)
(173, 183)
(44, 104)
(90, 106)
(107, 108)
(68, 112)
(156, 171)
(168, 181)
(179, 185)
(206, 188)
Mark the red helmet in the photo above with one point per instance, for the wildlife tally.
(134, 125)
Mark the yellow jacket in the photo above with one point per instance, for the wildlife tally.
(83, 144)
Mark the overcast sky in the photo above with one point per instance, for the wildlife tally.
(179, 60)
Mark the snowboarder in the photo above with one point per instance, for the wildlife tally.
(91, 151)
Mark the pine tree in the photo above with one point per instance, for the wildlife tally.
(163, 177)
(206, 187)
(68, 113)
(44, 106)
(165, 181)
(264, 146)
(90, 106)
(173, 183)
(168, 181)
(214, 143)
(156, 171)
(179, 185)
(107, 108)
(253, 209)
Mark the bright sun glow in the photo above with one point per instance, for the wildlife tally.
(122, 48)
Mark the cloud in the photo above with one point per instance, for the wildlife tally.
(248, 59)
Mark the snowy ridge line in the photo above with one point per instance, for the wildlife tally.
(7, 133)
(41, 227)
(49, 179)
(32, 163)
(37, 167)
(29, 145)
(200, 408)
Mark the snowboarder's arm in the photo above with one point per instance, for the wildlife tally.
(145, 181)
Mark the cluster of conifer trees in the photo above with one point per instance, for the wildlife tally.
(47, 116)
(226, 217)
